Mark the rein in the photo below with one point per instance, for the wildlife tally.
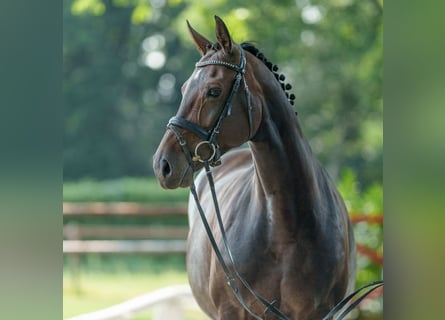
(231, 280)
(209, 138)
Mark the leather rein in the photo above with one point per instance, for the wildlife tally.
(209, 138)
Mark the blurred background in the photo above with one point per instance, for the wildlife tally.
(124, 64)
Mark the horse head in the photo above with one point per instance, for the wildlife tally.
(216, 112)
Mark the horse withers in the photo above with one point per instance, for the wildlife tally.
(286, 237)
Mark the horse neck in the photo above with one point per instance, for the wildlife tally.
(285, 167)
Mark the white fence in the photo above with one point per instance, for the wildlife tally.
(167, 303)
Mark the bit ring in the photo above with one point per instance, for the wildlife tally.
(197, 157)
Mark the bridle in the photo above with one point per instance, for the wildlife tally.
(209, 138)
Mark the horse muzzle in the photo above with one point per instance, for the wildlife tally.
(171, 166)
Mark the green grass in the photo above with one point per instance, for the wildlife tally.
(93, 291)
(125, 263)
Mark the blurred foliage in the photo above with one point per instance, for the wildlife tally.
(368, 202)
(125, 60)
(124, 189)
(131, 263)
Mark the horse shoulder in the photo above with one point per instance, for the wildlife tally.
(234, 166)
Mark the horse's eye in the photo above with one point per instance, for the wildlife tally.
(214, 92)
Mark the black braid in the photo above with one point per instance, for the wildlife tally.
(272, 67)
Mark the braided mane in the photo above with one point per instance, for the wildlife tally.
(272, 67)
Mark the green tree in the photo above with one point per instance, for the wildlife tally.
(115, 106)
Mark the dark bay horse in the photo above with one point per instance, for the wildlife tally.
(286, 224)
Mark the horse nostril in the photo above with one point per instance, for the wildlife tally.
(166, 170)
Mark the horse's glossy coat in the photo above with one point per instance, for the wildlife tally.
(286, 223)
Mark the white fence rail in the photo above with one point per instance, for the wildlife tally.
(167, 303)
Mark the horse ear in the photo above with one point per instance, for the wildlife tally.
(223, 36)
(202, 44)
